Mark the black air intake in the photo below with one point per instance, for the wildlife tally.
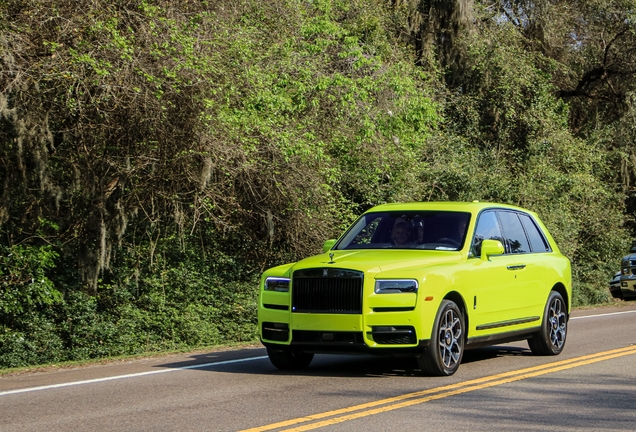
(394, 335)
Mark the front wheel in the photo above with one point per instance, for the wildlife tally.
(550, 340)
(447, 343)
(289, 360)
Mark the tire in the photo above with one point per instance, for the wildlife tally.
(445, 354)
(550, 340)
(289, 360)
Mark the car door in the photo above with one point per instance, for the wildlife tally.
(539, 247)
(490, 284)
(528, 291)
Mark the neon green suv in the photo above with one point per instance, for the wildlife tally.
(422, 279)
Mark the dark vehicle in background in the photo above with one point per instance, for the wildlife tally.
(623, 284)
(615, 286)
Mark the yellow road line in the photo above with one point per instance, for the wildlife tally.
(454, 392)
(441, 392)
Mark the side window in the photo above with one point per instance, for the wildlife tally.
(537, 241)
(487, 229)
(516, 240)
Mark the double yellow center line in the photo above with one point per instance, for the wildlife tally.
(409, 399)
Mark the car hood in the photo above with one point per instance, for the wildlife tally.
(379, 261)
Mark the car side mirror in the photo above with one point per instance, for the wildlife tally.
(328, 245)
(491, 247)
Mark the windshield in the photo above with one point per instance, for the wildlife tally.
(434, 230)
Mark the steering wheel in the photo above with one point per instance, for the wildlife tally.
(448, 241)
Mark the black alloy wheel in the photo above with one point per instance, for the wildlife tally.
(447, 343)
(550, 340)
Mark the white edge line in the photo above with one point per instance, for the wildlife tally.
(198, 366)
(96, 380)
(603, 315)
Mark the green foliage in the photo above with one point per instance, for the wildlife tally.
(24, 281)
(28, 331)
(34, 339)
(175, 305)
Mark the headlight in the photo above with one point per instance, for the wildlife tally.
(277, 284)
(396, 286)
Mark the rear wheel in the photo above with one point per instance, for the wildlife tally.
(289, 360)
(447, 343)
(550, 340)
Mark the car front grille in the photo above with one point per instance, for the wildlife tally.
(333, 291)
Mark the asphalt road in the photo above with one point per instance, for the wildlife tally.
(590, 386)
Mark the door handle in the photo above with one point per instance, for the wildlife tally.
(516, 267)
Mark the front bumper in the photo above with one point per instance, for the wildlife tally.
(627, 287)
(387, 333)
